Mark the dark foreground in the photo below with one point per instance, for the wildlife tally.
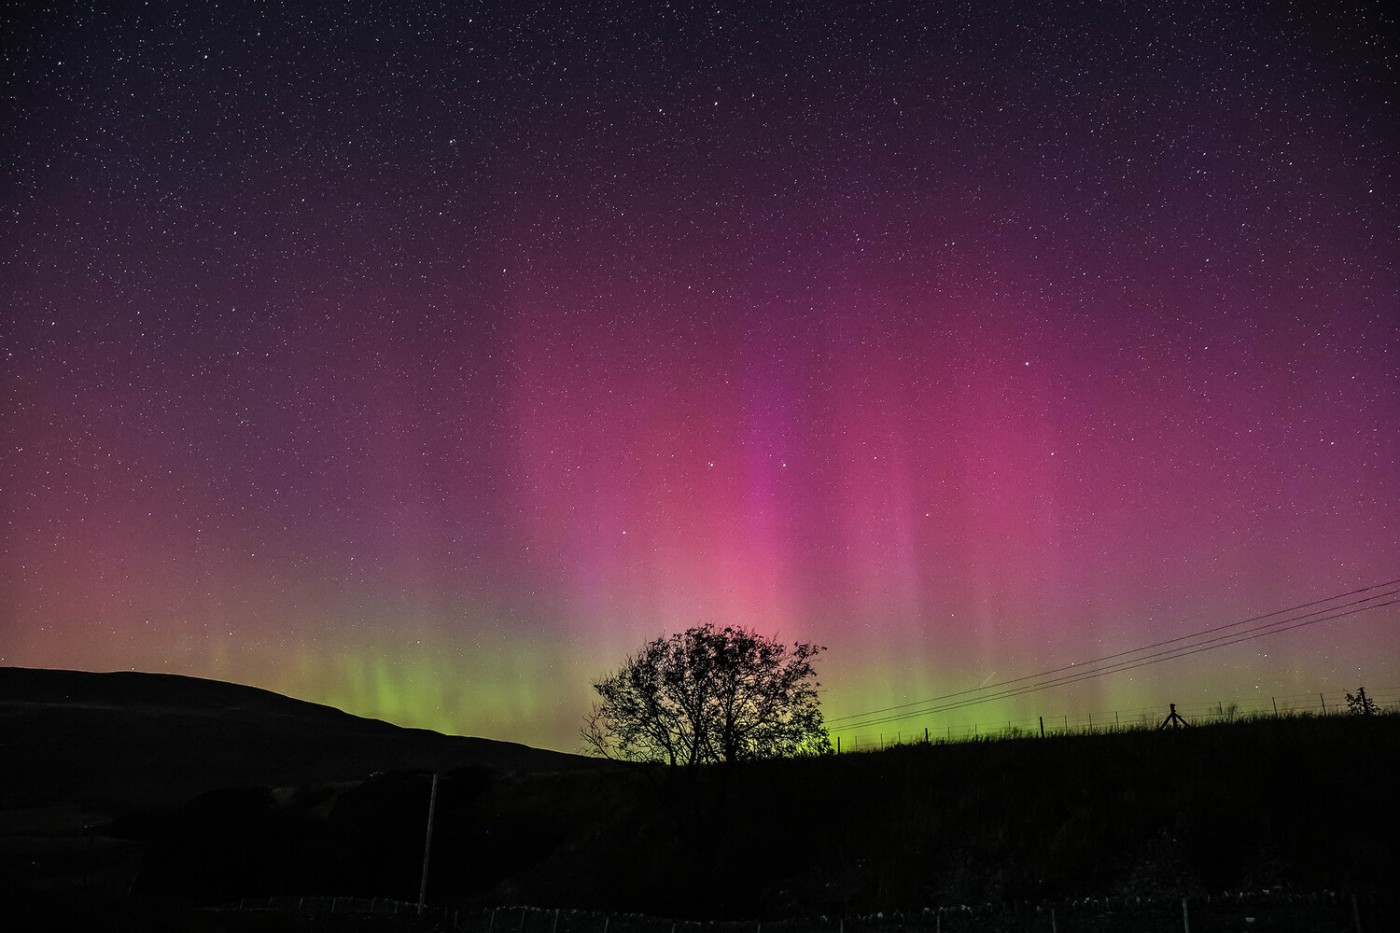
(1297, 817)
(1320, 912)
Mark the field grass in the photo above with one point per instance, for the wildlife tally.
(1296, 806)
(1296, 803)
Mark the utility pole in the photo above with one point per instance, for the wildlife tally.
(428, 844)
(1173, 721)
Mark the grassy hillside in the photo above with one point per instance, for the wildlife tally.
(113, 741)
(78, 750)
(1306, 803)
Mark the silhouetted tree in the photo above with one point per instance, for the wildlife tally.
(1360, 704)
(709, 695)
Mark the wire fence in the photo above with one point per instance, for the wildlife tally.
(1322, 703)
(1283, 911)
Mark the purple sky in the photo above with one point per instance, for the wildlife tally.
(425, 359)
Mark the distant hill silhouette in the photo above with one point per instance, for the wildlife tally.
(102, 744)
(142, 793)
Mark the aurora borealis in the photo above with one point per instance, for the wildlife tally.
(424, 359)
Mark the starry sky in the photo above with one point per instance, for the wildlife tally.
(426, 358)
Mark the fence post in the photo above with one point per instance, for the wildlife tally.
(1054, 928)
(925, 735)
(1355, 914)
(1324, 702)
(838, 745)
(1275, 702)
(555, 925)
(1185, 917)
(1042, 727)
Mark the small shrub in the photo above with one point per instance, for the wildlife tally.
(1359, 704)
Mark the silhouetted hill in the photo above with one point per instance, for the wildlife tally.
(223, 793)
(104, 743)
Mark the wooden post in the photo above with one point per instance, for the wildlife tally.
(1054, 928)
(838, 745)
(925, 735)
(1042, 727)
(1275, 702)
(1355, 914)
(492, 925)
(1091, 722)
(523, 914)
(428, 844)
(606, 920)
(555, 925)
(1116, 723)
(1185, 917)
(1324, 702)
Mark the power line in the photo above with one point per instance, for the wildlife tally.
(1151, 714)
(1085, 670)
(1109, 657)
(1119, 668)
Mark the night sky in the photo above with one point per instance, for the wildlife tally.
(425, 359)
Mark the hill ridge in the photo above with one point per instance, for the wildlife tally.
(122, 739)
